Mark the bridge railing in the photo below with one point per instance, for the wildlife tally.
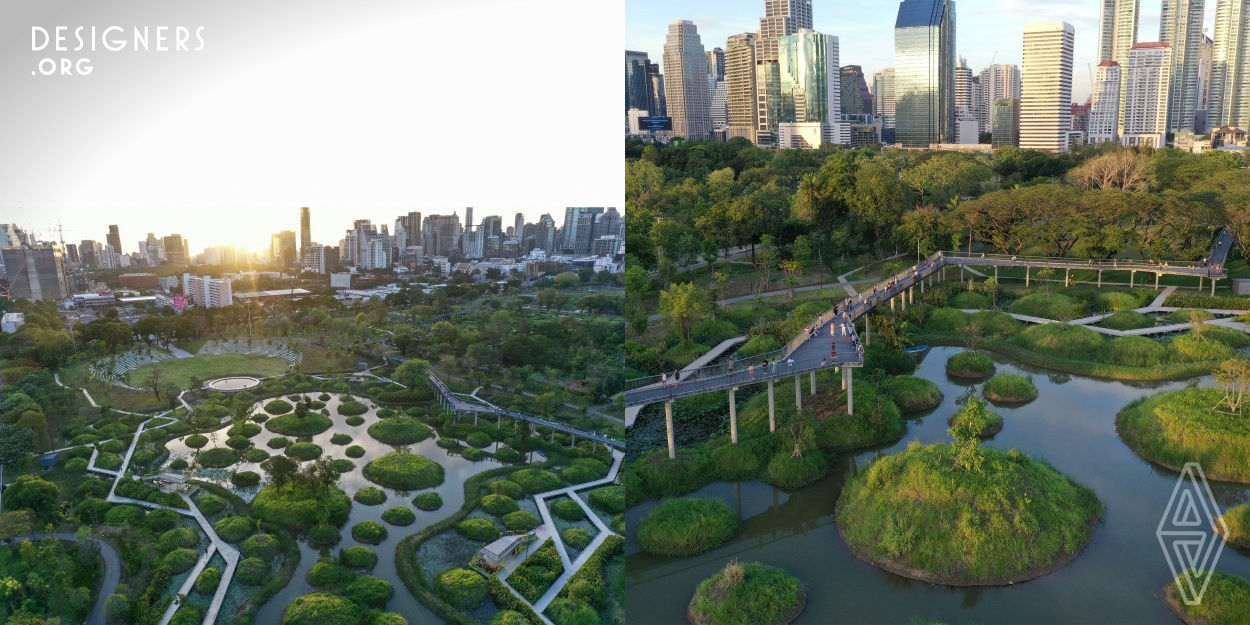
(696, 384)
(1191, 267)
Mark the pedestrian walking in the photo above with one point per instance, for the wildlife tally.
(790, 364)
(663, 379)
(751, 370)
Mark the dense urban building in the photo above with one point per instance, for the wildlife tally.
(1180, 26)
(883, 102)
(282, 248)
(1227, 102)
(998, 82)
(740, 86)
(685, 84)
(1006, 123)
(1046, 91)
(1104, 114)
(807, 63)
(924, 64)
(207, 292)
(856, 99)
(35, 272)
(305, 229)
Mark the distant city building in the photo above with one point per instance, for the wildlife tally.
(177, 250)
(1117, 29)
(781, 18)
(578, 231)
(282, 248)
(810, 86)
(1046, 92)
(1006, 118)
(883, 102)
(305, 229)
(1205, 56)
(341, 280)
(685, 68)
(1104, 114)
(1180, 26)
(207, 292)
(1228, 100)
(1080, 117)
(924, 65)
(639, 93)
(806, 135)
(441, 234)
(139, 281)
(997, 82)
(36, 272)
(716, 64)
(1145, 108)
(114, 238)
(1228, 136)
(740, 86)
(855, 98)
(12, 321)
(314, 259)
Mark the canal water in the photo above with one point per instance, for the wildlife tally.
(1118, 578)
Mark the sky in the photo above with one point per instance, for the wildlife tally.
(360, 110)
(985, 30)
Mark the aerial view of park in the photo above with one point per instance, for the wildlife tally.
(446, 453)
(887, 386)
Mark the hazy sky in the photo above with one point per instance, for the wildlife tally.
(985, 29)
(359, 110)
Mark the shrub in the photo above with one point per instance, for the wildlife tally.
(208, 580)
(187, 615)
(180, 559)
(480, 530)
(358, 557)
(1134, 351)
(478, 439)
(520, 521)
(1062, 340)
(969, 365)
(323, 534)
(252, 571)
(507, 488)
(1048, 306)
(352, 408)
(507, 454)
(278, 406)
(161, 520)
(913, 394)
(946, 321)
(370, 496)
(329, 576)
(399, 515)
(461, 588)
(583, 470)
(1229, 336)
(990, 422)
(278, 442)
(340, 438)
(473, 453)
(747, 593)
(370, 532)
(428, 501)
(536, 480)
(400, 431)
(177, 538)
(789, 472)
(1189, 348)
(244, 429)
(1119, 300)
(538, 572)
(255, 455)
(576, 537)
(310, 424)
(263, 546)
(686, 527)
(243, 479)
(1188, 315)
(211, 504)
(447, 443)
(369, 591)
(233, 529)
(321, 609)
(499, 505)
(970, 299)
(568, 510)
(295, 510)
(1010, 388)
(1237, 522)
(125, 514)
(342, 465)
(218, 458)
(76, 465)
(655, 475)
(355, 451)
(178, 464)
(354, 420)
(1127, 320)
(303, 451)
(404, 471)
(608, 498)
(195, 441)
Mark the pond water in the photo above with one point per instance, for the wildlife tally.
(1119, 578)
(456, 469)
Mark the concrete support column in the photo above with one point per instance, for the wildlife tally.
(1026, 277)
(843, 372)
(1100, 278)
(668, 423)
(1199, 283)
(811, 379)
(1067, 271)
(996, 273)
(1212, 286)
(772, 409)
(475, 419)
(798, 392)
(1132, 273)
(911, 295)
(572, 440)
(850, 391)
(733, 417)
(891, 303)
(922, 286)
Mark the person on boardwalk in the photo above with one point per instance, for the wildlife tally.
(664, 379)
(751, 370)
(790, 363)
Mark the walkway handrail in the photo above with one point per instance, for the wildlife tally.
(1060, 262)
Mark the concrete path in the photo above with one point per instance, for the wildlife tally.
(178, 352)
(112, 571)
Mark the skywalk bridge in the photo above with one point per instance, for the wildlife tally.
(455, 404)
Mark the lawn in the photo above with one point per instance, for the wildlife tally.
(180, 371)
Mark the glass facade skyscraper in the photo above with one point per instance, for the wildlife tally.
(924, 64)
(811, 85)
(685, 69)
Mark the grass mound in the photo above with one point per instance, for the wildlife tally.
(1188, 315)
(428, 501)
(1181, 426)
(1010, 388)
(1135, 351)
(788, 471)
(1063, 341)
(399, 431)
(1237, 522)
(992, 422)
(913, 394)
(969, 365)
(686, 527)
(370, 496)
(1127, 320)
(970, 299)
(568, 510)
(1225, 602)
(291, 425)
(303, 451)
(536, 480)
(1055, 306)
(404, 471)
(520, 521)
(369, 532)
(609, 498)
(399, 515)
(917, 515)
(296, 510)
(747, 593)
(217, 458)
(352, 408)
(321, 608)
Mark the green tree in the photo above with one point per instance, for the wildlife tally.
(35, 493)
(412, 372)
(16, 443)
(684, 305)
(967, 434)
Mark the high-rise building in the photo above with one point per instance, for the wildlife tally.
(282, 248)
(408, 231)
(1205, 54)
(89, 251)
(657, 90)
(883, 102)
(208, 292)
(115, 239)
(1147, 79)
(1117, 29)
(469, 226)
(305, 229)
(924, 70)
(1046, 92)
(177, 249)
(546, 238)
(1080, 117)
(685, 65)
(781, 17)
(963, 87)
(1104, 114)
(1005, 114)
(811, 86)
(441, 234)
(997, 82)
(314, 258)
(1180, 25)
(518, 225)
(1228, 102)
(718, 103)
(855, 98)
(740, 86)
(638, 87)
(716, 64)
(578, 230)
(35, 272)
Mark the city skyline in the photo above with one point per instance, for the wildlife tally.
(867, 40)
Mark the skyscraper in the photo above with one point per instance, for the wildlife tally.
(718, 103)
(305, 230)
(883, 102)
(1005, 114)
(638, 89)
(578, 230)
(781, 17)
(998, 82)
(657, 90)
(740, 85)
(466, 244)
(1117, 29)
(282, 248)
(685, 66)
(1180, 25)
(856, 100)
(1046, 92)
(716, 64)
(811, 85)
(1207, 51)
(1104, 114)
(1229, 99)
(177, 250)
(441, 234)
(963, 86)
(1147, 79)
(924, 64)
(115, 239)
(518, 226)
(35, 272)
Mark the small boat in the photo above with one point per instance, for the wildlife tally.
(917, 350)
